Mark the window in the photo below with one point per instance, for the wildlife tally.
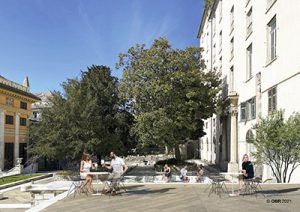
(214, 53)
(224, 87)
(207, 147)
(272, 99)
(249, 23)
(23, 105)
(220, 63)
(232, 19)
(247, 2)
(251, 108)
(249, 62)
(9, 101)
(9, 119)
(272, 40)
(207, 43)
(231, 48)
(220, 10)
(243, 111)
(23, 121)
(249, 136)
(220, 41)
(34, 114)
(231, 83)
(270, 3)
(248, 110)
(214, 26)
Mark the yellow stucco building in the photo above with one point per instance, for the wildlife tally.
(15, 110)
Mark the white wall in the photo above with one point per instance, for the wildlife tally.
(283, 72)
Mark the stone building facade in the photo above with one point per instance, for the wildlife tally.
(15, 110)
(254, 44)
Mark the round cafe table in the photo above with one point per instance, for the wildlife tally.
(232, 174)
(97, 179)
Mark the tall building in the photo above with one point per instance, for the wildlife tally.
(254, 44)
(15, 110)
(37, 107)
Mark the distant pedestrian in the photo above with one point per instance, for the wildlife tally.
(200, 174)
(167, 172)
(183, 174)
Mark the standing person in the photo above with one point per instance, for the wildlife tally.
(118, 167)
(167, 172)
(85, 166)
(247, 170)
(200, 173)
(183, 174)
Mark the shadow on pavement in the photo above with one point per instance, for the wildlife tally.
(287, 190)
(148, 191)
(129, 187)
(276, 192)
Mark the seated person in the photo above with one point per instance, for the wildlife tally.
(85, 166)
(167, 172)
(200, 173)
(247, 170)
(183, 174)
(118, 167)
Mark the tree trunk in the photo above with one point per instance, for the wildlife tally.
(177, 153)
(166, 150)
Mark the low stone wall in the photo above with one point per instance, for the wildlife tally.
(25, 181)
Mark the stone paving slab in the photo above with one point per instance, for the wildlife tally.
(185, 197)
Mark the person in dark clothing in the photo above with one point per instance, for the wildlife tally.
(167, 172)
(247, 170)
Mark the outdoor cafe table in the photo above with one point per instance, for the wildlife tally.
(97, 179)
(232, 174)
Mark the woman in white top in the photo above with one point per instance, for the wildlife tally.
(85, 166)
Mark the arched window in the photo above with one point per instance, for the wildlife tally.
(249, 136)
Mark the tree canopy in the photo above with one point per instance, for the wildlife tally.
(87, 116)
(168, 92)
(277, 144)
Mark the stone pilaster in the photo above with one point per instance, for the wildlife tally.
(2, 144)
(17, 137)
(233, 164)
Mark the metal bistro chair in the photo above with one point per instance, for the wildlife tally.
(117, 185)
(217, 185)
(252, 186)
(78, 187)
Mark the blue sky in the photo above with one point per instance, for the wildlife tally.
(52, 40)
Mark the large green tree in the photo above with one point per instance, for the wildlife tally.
(168, 92)
(87, 116)
(277, 144)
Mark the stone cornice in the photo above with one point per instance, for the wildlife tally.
(11, 91)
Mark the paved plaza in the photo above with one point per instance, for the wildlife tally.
(169, 197)
(184, 197)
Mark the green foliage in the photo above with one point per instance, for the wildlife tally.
(15, 178)
(86, 117)
(277, 144)
(168, 92)
(209, 3)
